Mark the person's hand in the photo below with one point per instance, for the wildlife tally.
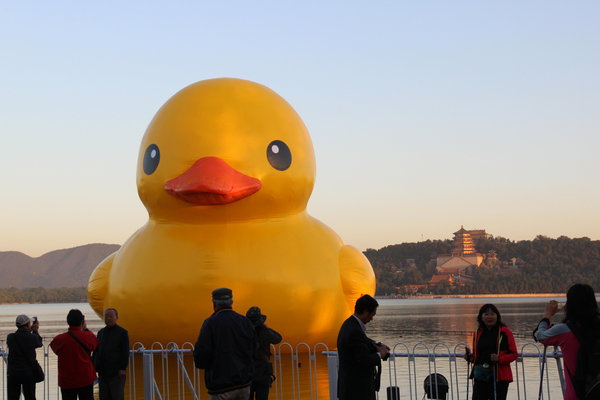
(122, 372)
(36, 325)
(383, 351)
(468, 355)
(494, 357)
(551, 309)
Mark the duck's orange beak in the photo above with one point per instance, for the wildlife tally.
(211, 181)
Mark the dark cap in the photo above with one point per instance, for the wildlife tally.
(222, 294)
(255, 316)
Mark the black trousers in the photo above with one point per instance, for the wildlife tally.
(112, 388)
(485, 390)
(259, 389)
(14, 385)
(83, 393)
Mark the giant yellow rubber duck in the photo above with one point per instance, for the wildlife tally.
(225, 170)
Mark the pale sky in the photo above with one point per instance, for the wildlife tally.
(424, 116)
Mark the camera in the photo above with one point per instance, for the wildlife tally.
(33, 320)
(384, 358)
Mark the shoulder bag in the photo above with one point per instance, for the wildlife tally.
(87, 351)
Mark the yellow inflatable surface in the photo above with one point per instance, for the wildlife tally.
(225, 170)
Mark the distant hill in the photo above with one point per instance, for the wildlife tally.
(56, 269)
(546, 265)
(549, 266)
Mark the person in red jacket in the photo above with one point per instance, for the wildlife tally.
(494, 349)
(76, 372)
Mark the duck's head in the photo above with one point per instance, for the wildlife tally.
(225, 149)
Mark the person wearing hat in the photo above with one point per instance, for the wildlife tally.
(263, 369)
(225, 350)
(21, 358)
(76, 372)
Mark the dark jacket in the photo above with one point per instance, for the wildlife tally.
(503, 345)
(112, 354)
(265, 337)
(21, 352)
(225, 350)
(75, 369)
(359, 363)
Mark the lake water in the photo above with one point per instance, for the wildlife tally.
(452, 320)
(449, 320)
(52, 317)
(410, 321)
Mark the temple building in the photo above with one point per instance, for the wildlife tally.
(463, 254)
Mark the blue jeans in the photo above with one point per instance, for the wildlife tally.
(485, 390)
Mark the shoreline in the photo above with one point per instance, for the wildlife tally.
(475, 296)
(425, 296)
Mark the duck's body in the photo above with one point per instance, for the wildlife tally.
(257, 240)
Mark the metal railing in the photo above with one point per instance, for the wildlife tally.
(409, 370)
(310, 372)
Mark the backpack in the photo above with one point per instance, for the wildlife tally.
(586, 380)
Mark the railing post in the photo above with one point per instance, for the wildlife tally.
(148, 365)
(332, 369)
(561, 374)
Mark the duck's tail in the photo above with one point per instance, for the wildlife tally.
(356, 274)
(98, 285)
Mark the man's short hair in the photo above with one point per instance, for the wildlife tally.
(365, 303)
(75, 318)
(113, 310)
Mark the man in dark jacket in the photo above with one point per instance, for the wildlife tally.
(263, 369)
(21, 358)
(76, 373)
(359, 356)
(112, 357)
(225, 350)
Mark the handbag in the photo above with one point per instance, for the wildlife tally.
(37, 370)
(483, 373)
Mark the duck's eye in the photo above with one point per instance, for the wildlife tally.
(151, 159)
(279, 155)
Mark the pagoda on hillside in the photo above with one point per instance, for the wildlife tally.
(463, 243)
(463, 256)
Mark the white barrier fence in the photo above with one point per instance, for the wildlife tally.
(305, 372)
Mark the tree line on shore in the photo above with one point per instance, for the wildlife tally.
(548, 266)
(43, 295)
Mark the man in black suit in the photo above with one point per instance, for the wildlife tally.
(359, 357)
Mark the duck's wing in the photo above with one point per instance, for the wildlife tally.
(98, 284)
(356, 274)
